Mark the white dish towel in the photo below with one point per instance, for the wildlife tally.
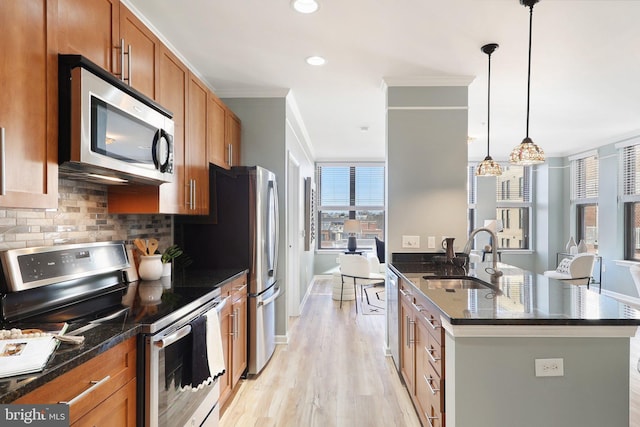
(214, 344)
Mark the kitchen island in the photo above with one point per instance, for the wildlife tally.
(515, 349)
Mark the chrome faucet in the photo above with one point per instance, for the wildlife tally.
(494, 247)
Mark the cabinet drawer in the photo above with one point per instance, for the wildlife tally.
(430, 393)
(100, 377)
(434, 354)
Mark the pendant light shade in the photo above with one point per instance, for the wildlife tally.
(527, 153)
(488, 167)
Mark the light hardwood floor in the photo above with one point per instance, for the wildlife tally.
(333, 372)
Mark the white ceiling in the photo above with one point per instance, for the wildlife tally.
(585, 64)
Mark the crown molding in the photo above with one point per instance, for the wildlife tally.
(417, 81)
(253, 93)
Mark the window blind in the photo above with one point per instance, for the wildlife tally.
(630, 180)
(472, 192)
(350, 186)
(585, 178)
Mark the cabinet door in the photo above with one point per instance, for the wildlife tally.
(216, 144)
(232, 137)
(119, 409)
(144, 53)
(91, 29)
(239, 363)
(407, 353)
(197, 184)
(226, 322)
(28, 104)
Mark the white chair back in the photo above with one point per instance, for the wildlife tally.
(582, 265)
(354, 265)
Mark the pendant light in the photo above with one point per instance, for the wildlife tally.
(488, 167)
(527, 153)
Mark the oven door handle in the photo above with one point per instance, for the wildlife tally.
(184, 331)
(176, 336)
(221, 305)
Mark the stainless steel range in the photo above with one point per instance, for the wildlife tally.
(86, 285)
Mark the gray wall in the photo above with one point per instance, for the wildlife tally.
(426, 165)
(266, 139)
(593, 392)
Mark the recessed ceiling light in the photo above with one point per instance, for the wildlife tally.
(305, 6)
(316, 60)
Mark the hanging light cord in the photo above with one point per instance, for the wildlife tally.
(488, 103)
(529, 69)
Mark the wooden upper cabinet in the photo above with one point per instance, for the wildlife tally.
(142, 48)
(29, 104)
(232, 138)
(196, 161)
(216, 145)
(92, 29)
(95, 30)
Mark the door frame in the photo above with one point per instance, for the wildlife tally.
(292, 233)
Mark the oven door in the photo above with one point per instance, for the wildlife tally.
(165, 403)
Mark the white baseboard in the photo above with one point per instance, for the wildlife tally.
(282, 339)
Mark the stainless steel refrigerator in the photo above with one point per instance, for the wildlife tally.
(241, 232)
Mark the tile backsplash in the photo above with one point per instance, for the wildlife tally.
(81, 217)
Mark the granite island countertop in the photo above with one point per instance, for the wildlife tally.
(517, 297)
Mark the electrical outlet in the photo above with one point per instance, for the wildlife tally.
(549, 367)
(431, 242)
(412, 242)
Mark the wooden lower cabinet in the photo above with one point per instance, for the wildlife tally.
(111, 379)
(233, 320)
(422, 355)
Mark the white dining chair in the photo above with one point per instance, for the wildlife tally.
(358, 268)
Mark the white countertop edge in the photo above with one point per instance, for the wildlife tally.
(537, 331)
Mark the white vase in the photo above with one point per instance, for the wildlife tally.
(582, 247)
(150, 267)
(570, 244)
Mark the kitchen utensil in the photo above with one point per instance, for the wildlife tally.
(152, 246)
(142, 247)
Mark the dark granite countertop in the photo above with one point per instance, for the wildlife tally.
(102, 337)
(517, 297)
(68, 356)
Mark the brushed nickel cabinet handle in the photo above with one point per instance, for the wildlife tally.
(94, 385)
(430, 351)
(428, 381)
(229, 154)
(3, 175)
(429, 418)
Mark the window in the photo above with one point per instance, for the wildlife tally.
(630, 196)
(471, 198)
(584, 197)
(350, 191)
(513, 206)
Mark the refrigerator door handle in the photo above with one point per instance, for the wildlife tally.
(270, 299)
(272, 232)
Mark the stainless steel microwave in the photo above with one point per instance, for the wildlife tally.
(109, 132)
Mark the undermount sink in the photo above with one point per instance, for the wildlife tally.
(454, 283)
